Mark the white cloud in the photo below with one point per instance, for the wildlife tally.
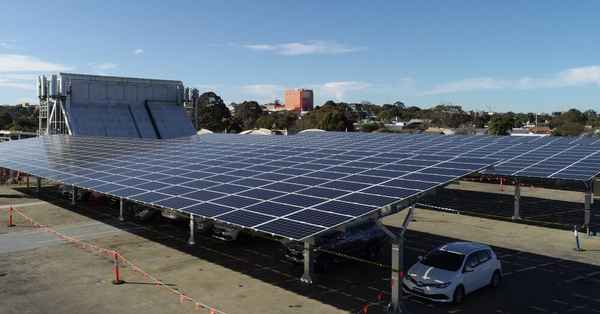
(20, 71)
(305, 48)
(23, 63)
(340, 89)
(7, 45)
(581, 76)
(265, 91)
(138, 51)
(17, 84)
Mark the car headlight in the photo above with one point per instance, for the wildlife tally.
(412, 279)
(441, 285)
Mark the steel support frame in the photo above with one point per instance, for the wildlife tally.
(517, 205)
(192, 237)
(307, 276)
(587, 205)
(73, 195)
(121, 209)
(395, 305)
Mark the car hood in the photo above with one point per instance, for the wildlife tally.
(427, 274)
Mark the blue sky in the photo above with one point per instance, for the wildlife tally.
(503, 55)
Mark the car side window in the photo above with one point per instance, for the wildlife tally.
(484, 256)
(472, 260)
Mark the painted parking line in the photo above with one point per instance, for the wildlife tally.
(582, 277)
(539, 309)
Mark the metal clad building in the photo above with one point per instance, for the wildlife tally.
(92, 105)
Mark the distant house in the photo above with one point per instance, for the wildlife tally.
(538, 132)
(414, 124)
(273, 107)
(444, 131)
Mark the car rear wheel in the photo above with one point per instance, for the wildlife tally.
(459, 295)
(496, 279)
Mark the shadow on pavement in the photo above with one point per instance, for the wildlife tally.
(533, 283)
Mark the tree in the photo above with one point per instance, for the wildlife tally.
(569, 129)
(569, 123)
(370, 127)
(331, 116)
(390, 113)
(282, 120)
(5, 120)
(213, 113)
(266, 122)
(248, 113)
(501, 124)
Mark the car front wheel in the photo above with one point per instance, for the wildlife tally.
(459, 295)
(496, 279)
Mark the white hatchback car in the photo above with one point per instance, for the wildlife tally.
(451, 271)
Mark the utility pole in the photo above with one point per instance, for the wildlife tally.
(195, 97)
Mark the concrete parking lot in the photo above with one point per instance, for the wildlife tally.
(40, 274)
(539, 206)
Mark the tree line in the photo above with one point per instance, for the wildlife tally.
(19, 118)
(216, 116)
(369, 117)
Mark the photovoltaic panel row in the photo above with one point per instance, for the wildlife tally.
(539, 157)
(289, 189)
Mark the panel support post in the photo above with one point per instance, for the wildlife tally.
(308, 262)
(191, 239)
(397, 274)
(39, 185)
(121, 208)
(587, 206)
(517, 206)
(73, 195)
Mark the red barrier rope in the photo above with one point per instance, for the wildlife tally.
(116, 257)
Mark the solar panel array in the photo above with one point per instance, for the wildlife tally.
(294, 187)
(568, 158)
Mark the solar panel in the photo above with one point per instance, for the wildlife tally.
(290, 186)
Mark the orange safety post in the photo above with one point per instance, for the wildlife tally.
(117, 280)
(10, 217)
(365, 309)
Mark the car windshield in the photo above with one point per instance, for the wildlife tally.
(444, 260)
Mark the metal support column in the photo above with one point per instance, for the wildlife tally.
(517, 213)
(39, 185)
(73, 195)
(121, 207)
(397, 274)
(587, 201)
(308, 262)
(191, 239)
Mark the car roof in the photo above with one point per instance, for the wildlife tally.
(463, 247)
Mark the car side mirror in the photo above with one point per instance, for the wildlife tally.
(467, 269)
